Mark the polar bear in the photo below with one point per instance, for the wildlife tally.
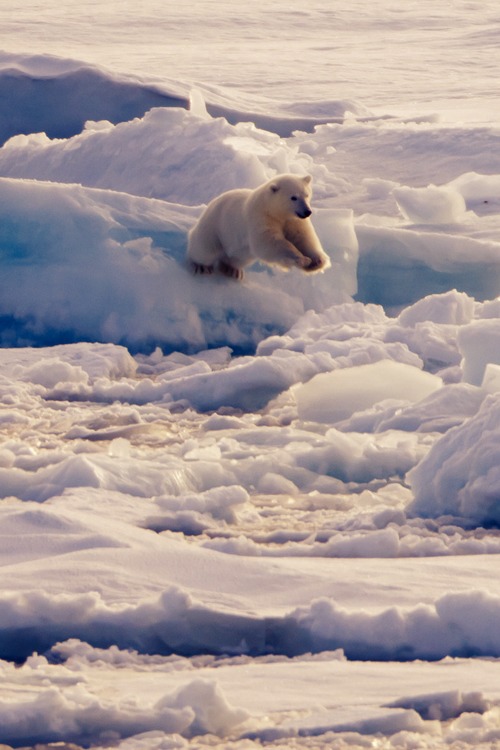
(270, 224)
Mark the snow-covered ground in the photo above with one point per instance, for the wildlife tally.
(257, 514)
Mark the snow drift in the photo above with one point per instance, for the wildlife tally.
(61, 246)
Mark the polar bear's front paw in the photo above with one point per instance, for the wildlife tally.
(228, 270)
(315, 264)
(302, 262)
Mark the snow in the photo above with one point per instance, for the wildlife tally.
(334, 396)
(463, 466)
(478, 344)
(237, 515)
(430, 205)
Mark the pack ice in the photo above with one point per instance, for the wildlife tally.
(256, 514)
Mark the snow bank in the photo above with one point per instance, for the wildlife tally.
(73, 714)
(137, 478)
(313, 462)
(479, 344)
(61, 246)
(56, 96)
(450, 308)
(454, 624)
(431, 205)
(344, 336)
(271, 688)
(457, 624)
(441, 410)
(460, 476)
(444, 706)
(379, 534)
(332, 397)
(168, 153)
(143, 157)
(78, 363)
(478, 189)
(186, 158)
(399, 266)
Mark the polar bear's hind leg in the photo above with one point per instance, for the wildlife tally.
(203, 249)
(230, 271)
(199, 268)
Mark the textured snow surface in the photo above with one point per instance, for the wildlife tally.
(256, 514)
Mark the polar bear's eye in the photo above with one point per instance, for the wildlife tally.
(294, 198)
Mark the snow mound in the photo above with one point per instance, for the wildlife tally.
(431, 205)
(334, 396)
(444, 706)
(61, 246)
(56, 96)
(479, 343)
(453, 624)
(76, 363)
(142, 157)
(478, 189)
(460, 475)
(457, 624)
(74, 714)
(212, 714)
(398, 266)
(88, 470)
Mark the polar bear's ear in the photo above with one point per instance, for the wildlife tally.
(307, 179)
(274, 187)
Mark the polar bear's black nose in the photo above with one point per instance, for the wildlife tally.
(304, 213)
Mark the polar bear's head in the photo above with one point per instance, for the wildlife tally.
(291, 195)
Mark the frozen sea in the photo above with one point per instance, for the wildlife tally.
(262, 514)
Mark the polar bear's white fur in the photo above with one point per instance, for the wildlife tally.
(270, 224)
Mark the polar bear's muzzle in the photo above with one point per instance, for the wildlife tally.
(302, 209)
(303, 212)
